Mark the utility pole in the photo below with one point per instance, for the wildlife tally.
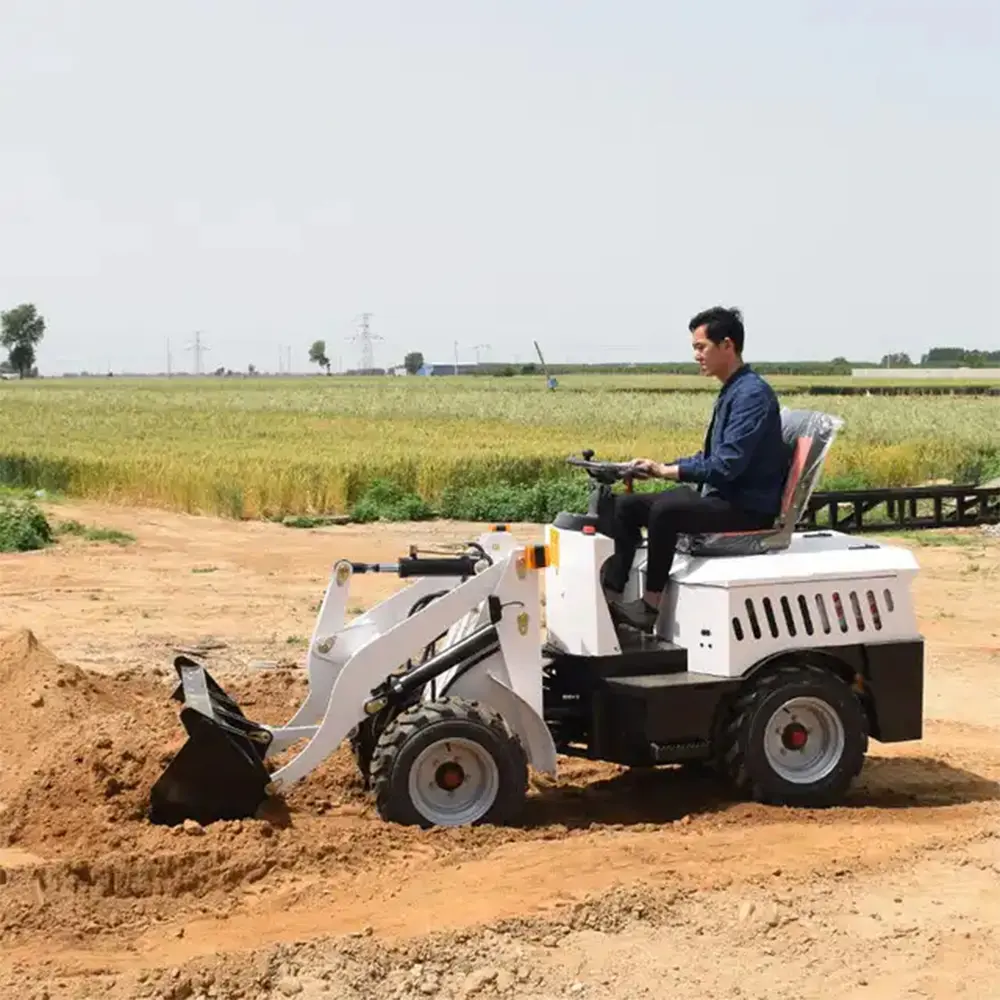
(199, 348)
(481, 347)
(366, 337)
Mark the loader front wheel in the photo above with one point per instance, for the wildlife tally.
(449, 763)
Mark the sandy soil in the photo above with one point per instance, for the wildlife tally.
(616, 884)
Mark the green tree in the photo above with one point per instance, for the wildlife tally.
(21, 329)
(413, 362)
(317, 355)
(899, 360)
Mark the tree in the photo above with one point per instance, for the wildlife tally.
(413, 362)
(21, 329)
(317, 354)
(901, 360)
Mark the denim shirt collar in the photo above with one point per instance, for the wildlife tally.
(744, 369)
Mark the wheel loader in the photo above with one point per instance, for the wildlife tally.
(777, 655)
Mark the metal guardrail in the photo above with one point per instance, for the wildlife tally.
(910, 508)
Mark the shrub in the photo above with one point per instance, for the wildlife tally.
(23, 527)
(384, 500)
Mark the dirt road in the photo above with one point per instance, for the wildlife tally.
(617, 884)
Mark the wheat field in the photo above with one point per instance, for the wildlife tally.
(267, 447)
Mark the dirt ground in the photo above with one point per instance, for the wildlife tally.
(616, 884)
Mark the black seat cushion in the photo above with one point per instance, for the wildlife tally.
(735, 543)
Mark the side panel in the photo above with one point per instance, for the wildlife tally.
(761, 621)
(895, 678)
(576, 613)
(697, 618)
(632, 715)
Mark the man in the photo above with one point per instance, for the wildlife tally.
(740, 472)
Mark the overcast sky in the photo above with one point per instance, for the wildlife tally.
(588, 173)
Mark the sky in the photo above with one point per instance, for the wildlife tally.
(588, 174)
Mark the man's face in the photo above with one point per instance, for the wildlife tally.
(713, 359)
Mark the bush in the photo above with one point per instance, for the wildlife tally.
(385, 501)
(23, 527)
(538, 503)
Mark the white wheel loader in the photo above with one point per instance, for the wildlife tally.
(776, 656)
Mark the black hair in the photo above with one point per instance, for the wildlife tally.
(721, 323)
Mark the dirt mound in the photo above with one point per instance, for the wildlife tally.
(91, 780)
(42, 696)
(82, 749)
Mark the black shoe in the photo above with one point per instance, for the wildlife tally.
(636, 613)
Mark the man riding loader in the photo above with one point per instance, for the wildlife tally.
(775, 656)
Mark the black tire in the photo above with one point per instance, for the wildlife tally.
(436, 723)
(744, 741)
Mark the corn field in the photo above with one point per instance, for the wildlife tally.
(267, 447)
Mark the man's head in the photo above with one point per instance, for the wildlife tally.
(717, 339)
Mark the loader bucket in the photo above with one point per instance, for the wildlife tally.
(219, 773)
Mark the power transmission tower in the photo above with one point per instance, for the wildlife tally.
(199, 348)
(481, 347)
(367, 338)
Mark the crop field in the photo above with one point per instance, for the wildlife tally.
(465, 446)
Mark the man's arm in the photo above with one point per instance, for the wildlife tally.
(742, 433)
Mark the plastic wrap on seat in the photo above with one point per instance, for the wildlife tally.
(808, 436)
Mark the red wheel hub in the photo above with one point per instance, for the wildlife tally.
(449, 776)
(795, 736)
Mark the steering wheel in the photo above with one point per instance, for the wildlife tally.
(605, 472)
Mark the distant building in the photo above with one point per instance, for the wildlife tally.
(447, 368)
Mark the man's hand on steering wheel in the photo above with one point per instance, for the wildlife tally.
(648, 468)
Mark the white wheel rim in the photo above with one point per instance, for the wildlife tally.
(804, 740)
(454, 782)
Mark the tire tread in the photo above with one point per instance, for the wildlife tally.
(736, 733)
(409, 724)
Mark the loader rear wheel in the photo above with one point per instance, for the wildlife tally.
(797, 736)
(449, 762)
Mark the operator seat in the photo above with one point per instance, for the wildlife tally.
(808, 436)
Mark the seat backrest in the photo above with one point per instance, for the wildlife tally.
(808, 435)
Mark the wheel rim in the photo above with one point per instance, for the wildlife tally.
(804, 740)
(454, 782)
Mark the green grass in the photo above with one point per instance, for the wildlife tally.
(493, 448)
(94, 534)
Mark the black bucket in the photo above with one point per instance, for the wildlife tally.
(219, 773)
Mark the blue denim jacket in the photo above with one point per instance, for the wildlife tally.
(744, 459)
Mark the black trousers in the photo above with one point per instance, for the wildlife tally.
(665, 515)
